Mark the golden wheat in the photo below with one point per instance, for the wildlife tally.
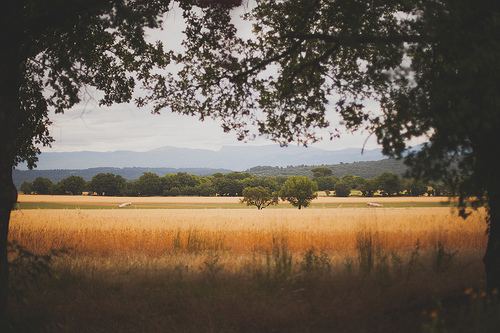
(159, 232)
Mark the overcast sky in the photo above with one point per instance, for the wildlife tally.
(125, 127)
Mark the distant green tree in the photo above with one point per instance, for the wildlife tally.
(353, 181)
(229, 185)
(416, 188)
(321, 172)
(149, 184)
(349, 179)
(71, 185)
(42, 186)
(369, 188)
(326, 183)
(357, 182)
(173, 192)
(259, 197)
(26, 187)
(205, 188)
(108, 184)
(389, 184)
(441, 189)
(342, 189)
(299, 191)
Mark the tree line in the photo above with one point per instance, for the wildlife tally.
(232, 184)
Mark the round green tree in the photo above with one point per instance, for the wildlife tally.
(71, 185)
(299, 191)
(342, 189)
(259, 197)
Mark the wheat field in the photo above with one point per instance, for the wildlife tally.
(245, 270)
(159, 232)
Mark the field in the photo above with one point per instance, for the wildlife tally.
(213, 265)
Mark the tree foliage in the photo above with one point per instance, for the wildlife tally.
(259, 197)
(322, 171)
(42, 186)
(71, 185)
(342, 189)
(389, 184)
(107, 184)
(149, 184)
(299, 191)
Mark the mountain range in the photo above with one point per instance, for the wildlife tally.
(236, 158)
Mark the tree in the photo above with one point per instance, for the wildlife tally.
(416, 188)
(399, 69)
(107, 184)
(71, 185)
(26, 187)
(369, 188)
(342, 189)
(259, 197)
(299, 191)
(389, 184)
(42, 186)
(52, 52)
(149, 184)
(319, 172)
(326, 183)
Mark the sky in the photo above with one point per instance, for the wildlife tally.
(88, 126)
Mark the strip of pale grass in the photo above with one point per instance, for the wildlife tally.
(215, 205)
(99, 199)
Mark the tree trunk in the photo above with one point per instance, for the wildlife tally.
(10, 81)
(492, 256)
(488, 172)
(8, 193)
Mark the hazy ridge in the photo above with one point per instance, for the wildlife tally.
(261, 161)
(236, 158)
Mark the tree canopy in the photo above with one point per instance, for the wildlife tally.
(52, 53)
(259, 197)
(299, 191)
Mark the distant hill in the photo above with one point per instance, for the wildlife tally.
(237, 158)
(20, 176)
(370, 169)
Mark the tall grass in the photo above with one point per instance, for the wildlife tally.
(160, 232)
(315, 270)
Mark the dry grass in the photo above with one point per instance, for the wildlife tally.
(160, 232)
(244, 270)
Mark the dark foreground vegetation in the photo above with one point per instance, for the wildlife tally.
(421, 290)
